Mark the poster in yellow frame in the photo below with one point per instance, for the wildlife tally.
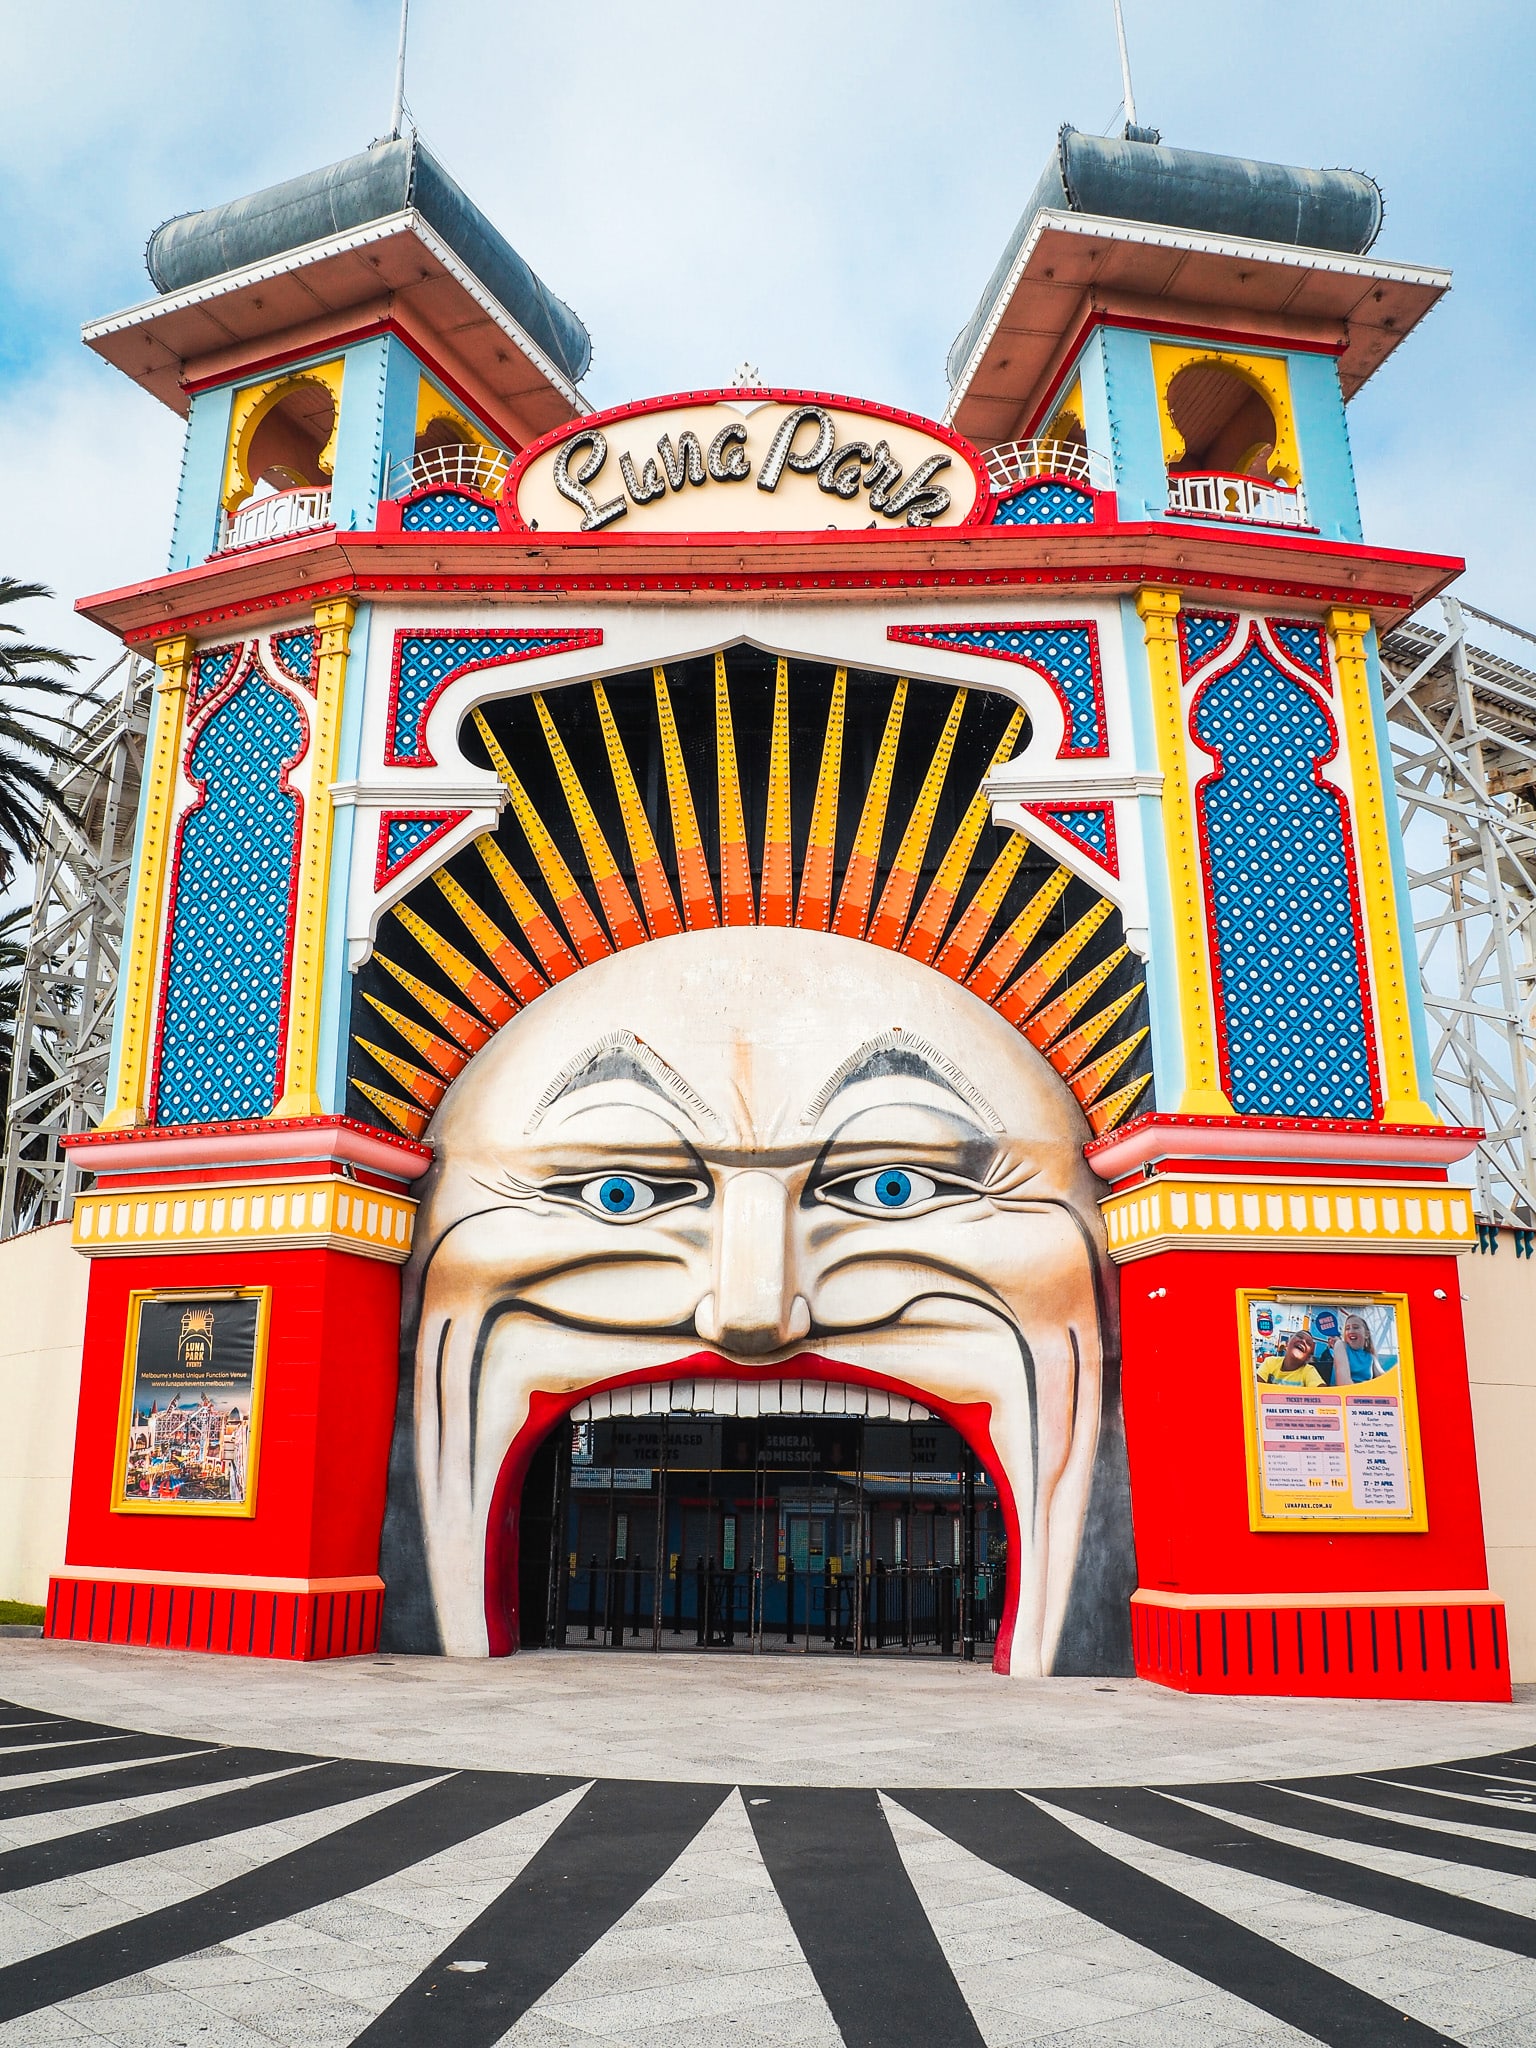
(189, 1418)
(1330, 1411)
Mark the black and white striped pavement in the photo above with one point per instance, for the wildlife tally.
(162, 1891)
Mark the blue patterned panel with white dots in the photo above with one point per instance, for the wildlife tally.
(219, 1041)
(295, 654)
(448, 512)
(1066, 655)
(1205, 634)
(1089, 827)
(405, 836)
(1046, 503)
(1302, 642)
(427, 662)
(211, 672)
(1286, 940)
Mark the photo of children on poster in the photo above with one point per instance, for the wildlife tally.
(1329, 1409)
(188, 1439)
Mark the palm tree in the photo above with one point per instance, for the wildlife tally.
(34, 743)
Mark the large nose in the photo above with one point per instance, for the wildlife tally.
(756, 1306)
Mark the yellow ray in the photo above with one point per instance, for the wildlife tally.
(864, 860)
(403, 1115)
(459, 1023)
(814, 910)
(692, 867)
(960, 948)
(524, 979)
(656, 898)
(778, 881)
(1068, 1053)
(1004, 955)
(445, 1058)
(1023, 997)
(1048, 1024)
(617, 903)
(1111, 1109)
(426, 1088)
(736, 905)
(488, 997)
(922, 941)
(896, 897)
(1089, 1082)
(553, 954)
(587, 935)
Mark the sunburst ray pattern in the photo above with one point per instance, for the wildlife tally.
(742, 788)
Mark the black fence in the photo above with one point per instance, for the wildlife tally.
(914, 1608)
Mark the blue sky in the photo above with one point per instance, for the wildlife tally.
(819, 186)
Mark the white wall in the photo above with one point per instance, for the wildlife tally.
(1498, 1293)
(42, 1325)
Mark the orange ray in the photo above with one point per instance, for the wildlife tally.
(692, 867)
(776, 891)
(1047, 1025)
(960, 948)
(553, 954)
(587, 935)
(735, 859)
(814, 909)
(1005, 954)
(896, 897)
(402, 1115)
(1068, 1053)
(426, 1088)
(458, 1023)
(1111, 1109)
(1023, 997)
(922, 941)
(617, 904)
(864, 860)
(488, 997)
(444, 1058)
(524, 979)
(656, 898)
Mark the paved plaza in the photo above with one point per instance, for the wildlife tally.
(562, 1850)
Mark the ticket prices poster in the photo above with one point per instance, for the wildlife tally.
(1333, 1432)
(189, 1429)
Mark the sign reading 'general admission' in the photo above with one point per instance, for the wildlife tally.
(745, 462)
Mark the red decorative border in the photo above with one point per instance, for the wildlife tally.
(980, 513)
(937, 637)
(233, 1621)
(1101, 808)
(1312, 626)
(285, 787)
(566, 639)
(1188, 663)
(390, 517)
(1346, 822)
(200, 709)
(385, 870)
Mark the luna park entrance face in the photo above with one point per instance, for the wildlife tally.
(774, 1534)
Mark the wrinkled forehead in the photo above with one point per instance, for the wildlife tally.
(757, 1031)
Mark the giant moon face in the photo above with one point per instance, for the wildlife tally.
(769, 1146)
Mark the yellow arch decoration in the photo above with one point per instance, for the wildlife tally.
(432, 404)
(251, 407)
(1269, 376)
(1068, 413)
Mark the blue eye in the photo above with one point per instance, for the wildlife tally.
(893, 1187)
(617, 1195)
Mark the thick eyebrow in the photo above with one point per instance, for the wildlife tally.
(898, 1052)
(620, 1056)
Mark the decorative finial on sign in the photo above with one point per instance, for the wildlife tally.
(397, 111)
(745, 377)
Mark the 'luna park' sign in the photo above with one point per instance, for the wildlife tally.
(747, 463)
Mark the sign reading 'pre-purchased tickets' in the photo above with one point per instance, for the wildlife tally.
(1332, 1421)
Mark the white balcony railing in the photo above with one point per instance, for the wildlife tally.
(274, 516)
(453, 466)
(1211, 495)
(1019, 462)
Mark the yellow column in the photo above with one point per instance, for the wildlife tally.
(333, 633)
(1404, 1104)
(1203, 1095)
(141, 939)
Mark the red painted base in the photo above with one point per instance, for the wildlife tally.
(1373, 1651)
(231, 1621)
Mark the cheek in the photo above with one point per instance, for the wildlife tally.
(1034, 1265)
(573, 1266)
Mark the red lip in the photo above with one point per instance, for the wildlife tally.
(973, 1420)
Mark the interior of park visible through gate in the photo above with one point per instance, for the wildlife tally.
(802, 1534)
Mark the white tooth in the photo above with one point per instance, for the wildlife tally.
(582, 1412)
(747, 1396)
(880, 1406)
(813, 1397)
(771, 1398)
(656, 1398)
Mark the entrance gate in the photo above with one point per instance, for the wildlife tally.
(782, 1534)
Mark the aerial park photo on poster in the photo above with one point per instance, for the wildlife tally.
(192, 1376)
(1333, 1429)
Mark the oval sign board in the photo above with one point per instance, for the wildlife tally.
(747, 462)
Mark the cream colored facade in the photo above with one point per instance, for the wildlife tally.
(42, 1327)
(1498, 1296)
